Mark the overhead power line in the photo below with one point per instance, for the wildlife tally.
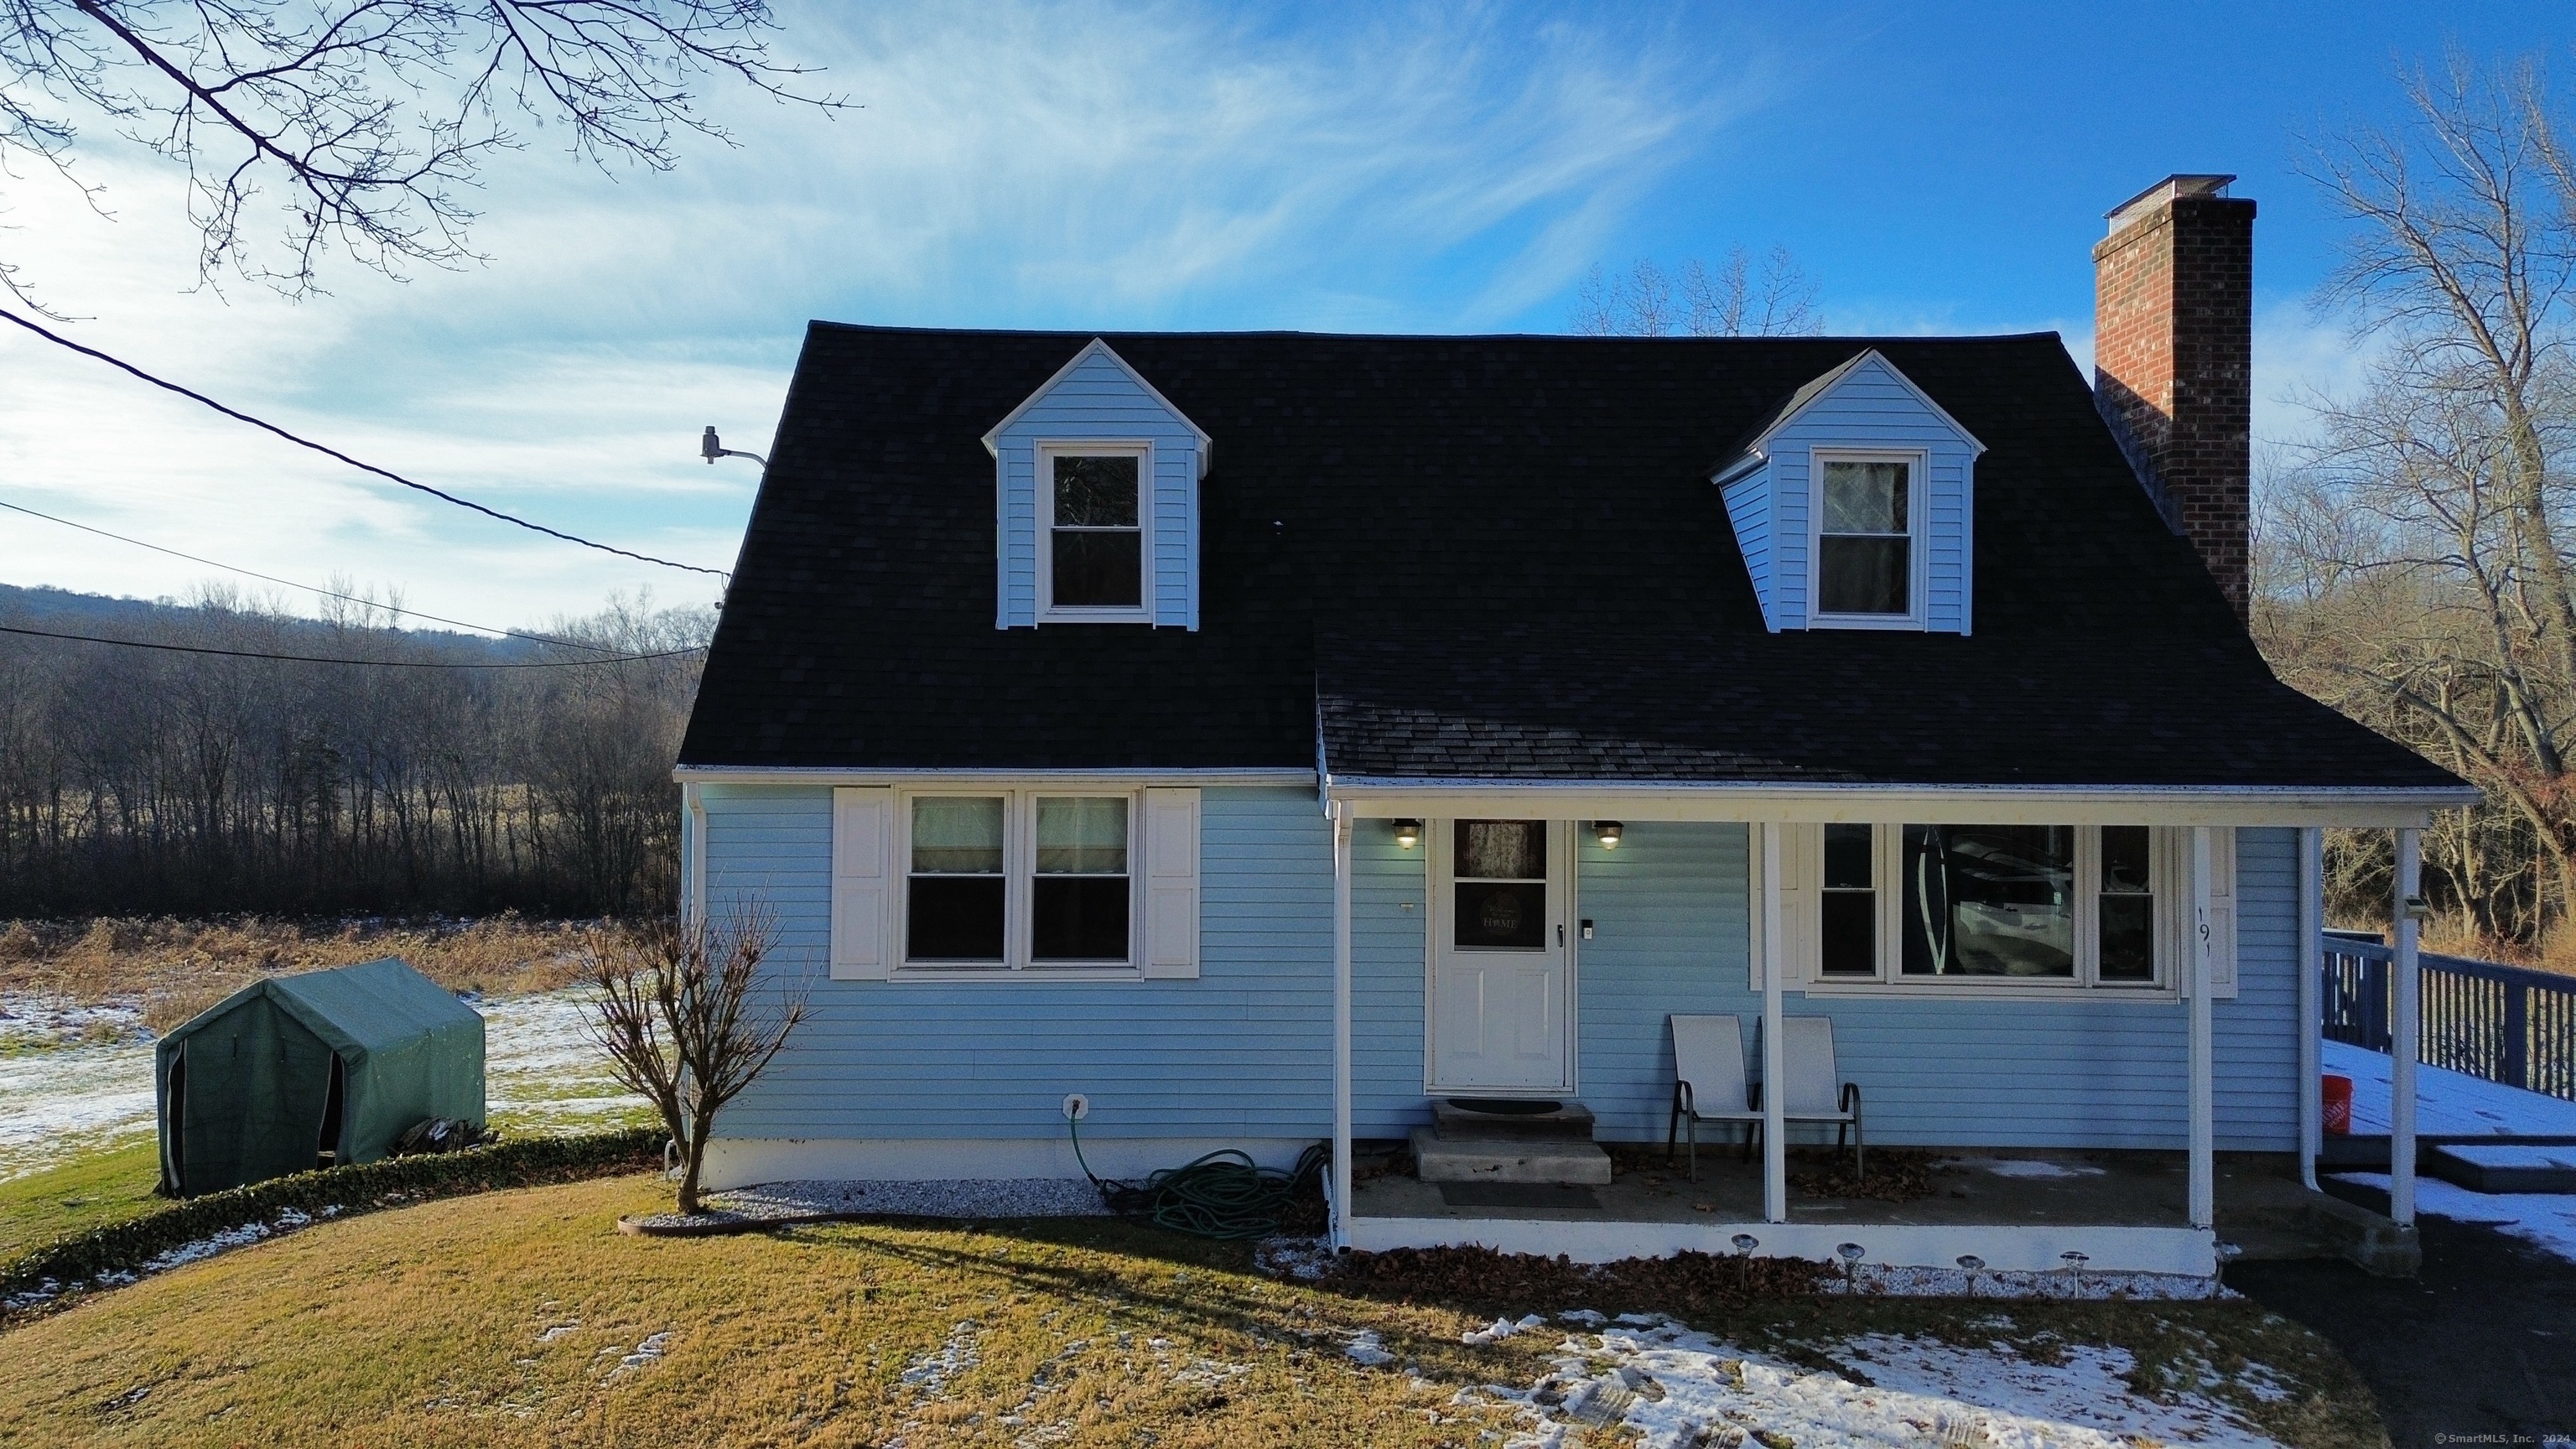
(369, 663)
(309, 588)
(331, 452)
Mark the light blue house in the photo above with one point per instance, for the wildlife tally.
(1267, 737)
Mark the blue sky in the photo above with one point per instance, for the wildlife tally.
(1365, 168)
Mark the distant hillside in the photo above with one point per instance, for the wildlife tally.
(48, 607)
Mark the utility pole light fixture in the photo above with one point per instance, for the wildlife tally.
(712, 448)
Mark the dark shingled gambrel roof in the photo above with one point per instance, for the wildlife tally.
(1481, 557)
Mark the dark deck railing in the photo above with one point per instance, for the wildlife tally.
(2504, 1023)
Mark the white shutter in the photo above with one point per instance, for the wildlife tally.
(862, 883)
(1172, 884)
(1801, 857)
(2222, 909)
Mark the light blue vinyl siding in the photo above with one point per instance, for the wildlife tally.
(1100, 400)
(1245, 1050)
(1870, 407)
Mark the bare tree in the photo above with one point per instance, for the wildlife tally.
(2416, 573)
(1734, 300)
(356, 122)
(676, 1014)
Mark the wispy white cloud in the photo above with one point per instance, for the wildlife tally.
(1027, 165)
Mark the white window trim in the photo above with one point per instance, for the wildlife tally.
(1917, 555)
(1019, 877)
(1142, 450)
(2168, 881)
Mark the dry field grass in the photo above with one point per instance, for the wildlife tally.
(178, 968)
(523, 1318)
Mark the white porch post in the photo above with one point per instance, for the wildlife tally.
(2204, 1164)
(2401, 1071)
(2312, 920)
(1775, 1068)
(1341, 816)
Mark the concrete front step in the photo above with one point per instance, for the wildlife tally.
(1571, 1121)
(1497, 1159)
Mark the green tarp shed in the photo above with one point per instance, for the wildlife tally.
(304, 1071)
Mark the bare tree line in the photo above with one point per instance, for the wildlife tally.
(135, 781)
(2413, 558)
(1736, 298)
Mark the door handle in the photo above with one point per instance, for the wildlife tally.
(1560, 933)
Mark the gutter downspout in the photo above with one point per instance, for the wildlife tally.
(2312, 880)
(693, 884)
(1341, 817)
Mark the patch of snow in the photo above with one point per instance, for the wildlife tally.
(2034, 1167)
(931, 1371)
(1587, 1316)
(1502, 1328)
(1305, 1259)
(2547, 1221)
(1675, 1388)
(2447, 1103)
(1367, 1349)
(180, 1256)
(558, 1330)
(2091, 1285)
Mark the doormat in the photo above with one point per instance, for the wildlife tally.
(1518, 1195)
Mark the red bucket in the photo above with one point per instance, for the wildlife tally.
(2338, 1104)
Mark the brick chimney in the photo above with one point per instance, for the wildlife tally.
(2173, 354)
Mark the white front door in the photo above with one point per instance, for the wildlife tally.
(1501, 1008)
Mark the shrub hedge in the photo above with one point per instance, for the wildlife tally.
(83, 1258)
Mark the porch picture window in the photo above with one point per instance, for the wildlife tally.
(1079, 899)
(1847, 942)
(1989, 900)
(1096, 538)
(1865, 537)
(2011, 906)
(958, 891)
(1500, 879)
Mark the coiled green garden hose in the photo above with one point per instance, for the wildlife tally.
(1223, 1195)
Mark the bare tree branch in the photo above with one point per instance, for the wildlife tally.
(313, 126)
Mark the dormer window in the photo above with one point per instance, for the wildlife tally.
(1865, 548)
(1854, 503)
(1093, 564)
(1096, 501)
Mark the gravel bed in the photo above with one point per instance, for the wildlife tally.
(981, 1197)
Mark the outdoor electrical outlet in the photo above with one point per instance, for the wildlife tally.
(1076, 1106)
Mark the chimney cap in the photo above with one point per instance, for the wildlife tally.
(2181, 183)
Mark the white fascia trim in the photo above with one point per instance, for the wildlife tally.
(1395, 797)
(837, 775)
(1101, 347)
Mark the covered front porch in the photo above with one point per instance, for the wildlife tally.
(2127, 1182)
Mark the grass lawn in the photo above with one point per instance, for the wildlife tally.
(523, 1318)
(87, 1192)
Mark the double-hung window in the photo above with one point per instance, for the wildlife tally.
(2001, 905)
(1019, 880)
(1093, 502)
(1867, 514)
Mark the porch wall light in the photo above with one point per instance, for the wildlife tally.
(1610, 832)
(1408, 834)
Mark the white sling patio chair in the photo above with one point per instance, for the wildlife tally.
(1817, 1092)
(1708, 1082)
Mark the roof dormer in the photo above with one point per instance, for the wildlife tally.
(1853, 503)
(1096, 480)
